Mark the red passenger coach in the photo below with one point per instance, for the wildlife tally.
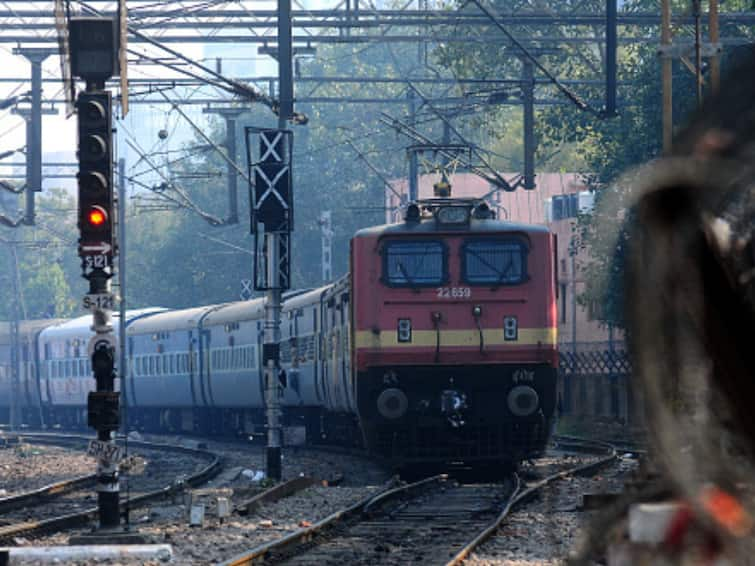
(454, 335)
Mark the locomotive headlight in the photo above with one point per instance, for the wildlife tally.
(392, 403)
(510, 328)
(413, 213)
(522, 400)
(452, 215)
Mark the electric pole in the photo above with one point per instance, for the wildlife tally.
(269, 155)
(666, 85)
(36, 56)
(231, 116)
(528, 99)
(326, 231)
(699, 49)
(413, 166)
(15, 335)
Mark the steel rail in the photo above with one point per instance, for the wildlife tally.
(387, 493)
(80, 518)
(273, 494)
(522, 495)
(45, 493)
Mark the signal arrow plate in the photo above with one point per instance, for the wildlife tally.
(96, 248)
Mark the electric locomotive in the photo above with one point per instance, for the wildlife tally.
(454, 332)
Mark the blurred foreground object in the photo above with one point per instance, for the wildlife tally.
(690, 312)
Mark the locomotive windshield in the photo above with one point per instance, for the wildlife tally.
(414, 264)
(494, 262)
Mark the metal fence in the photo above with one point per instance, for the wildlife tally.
(596, 384)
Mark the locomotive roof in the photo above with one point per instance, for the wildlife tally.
(432, 226)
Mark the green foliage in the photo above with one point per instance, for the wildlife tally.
(609, 148)
(174, 259)
(48, 270)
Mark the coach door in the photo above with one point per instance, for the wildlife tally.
(129, 384)
(206, 368)
(195, 373)
(344, 348)
(325, 353)
(261, 364)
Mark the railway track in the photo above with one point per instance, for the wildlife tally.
(433, 521)
(53, 508)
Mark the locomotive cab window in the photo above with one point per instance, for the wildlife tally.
(494, 261)
(414, 263)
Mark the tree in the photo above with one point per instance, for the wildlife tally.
(610, 148)
(48, 266)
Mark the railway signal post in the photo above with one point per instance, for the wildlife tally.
(269, 153)
(269, 156)
(93, 44)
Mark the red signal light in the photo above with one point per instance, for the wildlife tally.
(97, 216)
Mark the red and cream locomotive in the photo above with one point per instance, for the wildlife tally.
(454, 335)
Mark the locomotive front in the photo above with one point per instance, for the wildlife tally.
(454, 335)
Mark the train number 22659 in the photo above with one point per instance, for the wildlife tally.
(454, 292)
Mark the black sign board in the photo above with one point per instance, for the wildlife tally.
(270, 173)
(94, 48)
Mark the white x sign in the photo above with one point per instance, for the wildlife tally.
(270, 146)
(271, 186)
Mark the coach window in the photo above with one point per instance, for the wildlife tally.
(414, 263)
(494, 262)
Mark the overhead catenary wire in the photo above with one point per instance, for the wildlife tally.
(206, 138)
(578, 102)
(374, 169)
(188, 202)
(499, 180)
(411, 133)
(225, 83)
(494, 177)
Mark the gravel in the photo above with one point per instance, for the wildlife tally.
(167, 522)
(24, 467)
(541, 533)
(545, 531)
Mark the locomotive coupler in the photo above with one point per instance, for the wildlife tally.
(452, 403)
